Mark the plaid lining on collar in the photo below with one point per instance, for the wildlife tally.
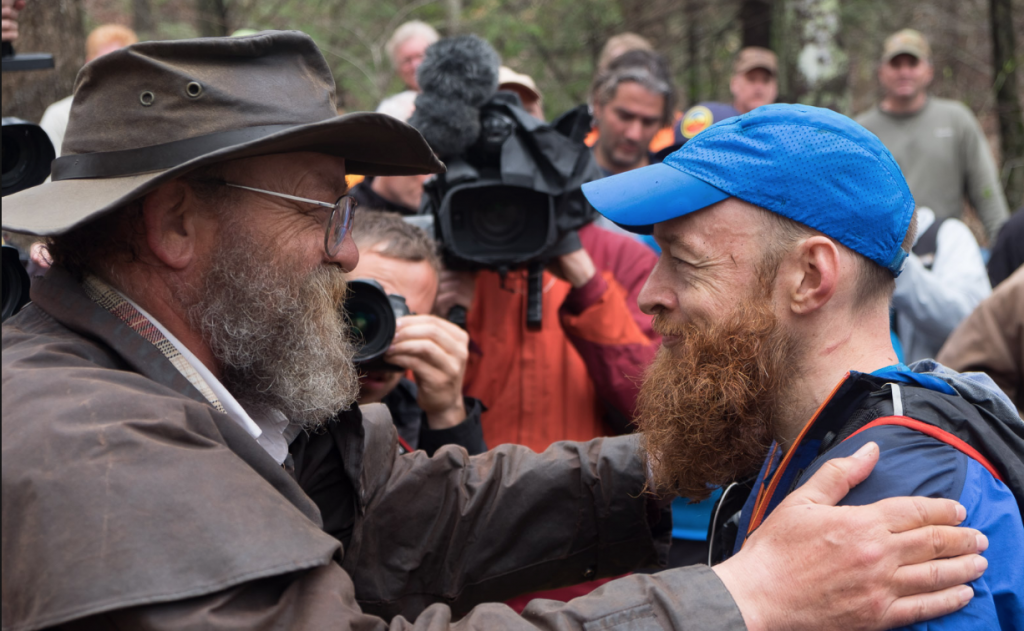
(108, 298)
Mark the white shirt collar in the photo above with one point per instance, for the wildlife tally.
(268, 428)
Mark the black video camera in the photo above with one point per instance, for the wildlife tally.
(513, 197)
(373, 313)
(510, 197)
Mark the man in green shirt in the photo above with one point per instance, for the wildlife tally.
(938, 143)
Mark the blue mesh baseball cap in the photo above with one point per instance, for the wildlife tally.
(809, 164)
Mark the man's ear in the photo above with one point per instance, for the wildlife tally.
(169, 214)
(811, 274)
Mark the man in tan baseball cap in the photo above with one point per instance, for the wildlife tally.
(938, 143)
(525, 87)
(754, 79)
(754, 83)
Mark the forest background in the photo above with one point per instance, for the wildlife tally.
(828, 49)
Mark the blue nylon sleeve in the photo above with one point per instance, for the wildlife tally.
(912, 463)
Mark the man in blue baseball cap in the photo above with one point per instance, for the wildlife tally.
(782, 232)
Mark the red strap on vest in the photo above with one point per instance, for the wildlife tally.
(938, 434)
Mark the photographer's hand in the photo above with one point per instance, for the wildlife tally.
(11, 8)
(436, 351)
(576, 268)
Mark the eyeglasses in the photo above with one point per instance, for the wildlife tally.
(338, 224)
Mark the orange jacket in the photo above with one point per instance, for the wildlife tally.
(594, 344)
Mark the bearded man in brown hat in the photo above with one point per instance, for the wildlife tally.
(180, 448)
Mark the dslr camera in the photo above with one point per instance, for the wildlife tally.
(373, 314)
(27, 154)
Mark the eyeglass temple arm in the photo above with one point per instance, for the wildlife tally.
(284, 195)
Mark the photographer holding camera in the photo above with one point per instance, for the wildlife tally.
(431, 411)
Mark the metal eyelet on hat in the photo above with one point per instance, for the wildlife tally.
(147, 98)
(193, 89)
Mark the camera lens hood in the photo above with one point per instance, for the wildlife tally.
(373, 314)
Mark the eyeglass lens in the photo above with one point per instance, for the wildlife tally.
(339, 224)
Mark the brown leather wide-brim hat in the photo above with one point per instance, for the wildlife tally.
(154, 111)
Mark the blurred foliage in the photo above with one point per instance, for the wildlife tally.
(557, 42)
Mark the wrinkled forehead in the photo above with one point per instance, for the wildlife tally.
(416, 281)
(290, 172)
(731, 226)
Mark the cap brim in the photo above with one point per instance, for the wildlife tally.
(916, 54)
(746, 69)
(638, 199)
(372, 144)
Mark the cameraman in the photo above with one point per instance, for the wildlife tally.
(432, 411)
(577, 377)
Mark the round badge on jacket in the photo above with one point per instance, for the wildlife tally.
(697, 119)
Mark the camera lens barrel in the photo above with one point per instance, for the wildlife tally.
(15, 283)
(27, 155)
(373, 315)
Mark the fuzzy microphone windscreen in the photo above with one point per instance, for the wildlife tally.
(449, 126)
(463, 68)
(457, 76)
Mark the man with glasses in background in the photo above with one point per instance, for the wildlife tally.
(180, 444)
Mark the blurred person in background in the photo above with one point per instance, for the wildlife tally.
(631, 100)
(942, 282)
(1008, 251)
(524, 86)
(938, 143)
(754, 83)
(392, 193)
(405, 49)
(617, 45)
(428, 411)
(991, 339)
(102, 40)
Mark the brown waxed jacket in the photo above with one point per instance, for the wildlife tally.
(129, 502)
(991, 339)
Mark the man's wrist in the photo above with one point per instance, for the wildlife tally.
(447, 418)
(753, 616)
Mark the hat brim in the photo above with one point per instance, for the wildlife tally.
(913, 52)
(372, 144)
(638, 199)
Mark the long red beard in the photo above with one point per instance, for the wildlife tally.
(707, 406)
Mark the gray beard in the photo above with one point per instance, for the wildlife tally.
(282, 340)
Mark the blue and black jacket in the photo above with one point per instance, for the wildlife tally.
(941, 434)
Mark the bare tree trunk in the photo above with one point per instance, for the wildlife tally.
(212, 18)
(55, 27)
(693, 94)
(1011, 120)
(142, 17)
(454, 16)
(819, 76)
(756, 19)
